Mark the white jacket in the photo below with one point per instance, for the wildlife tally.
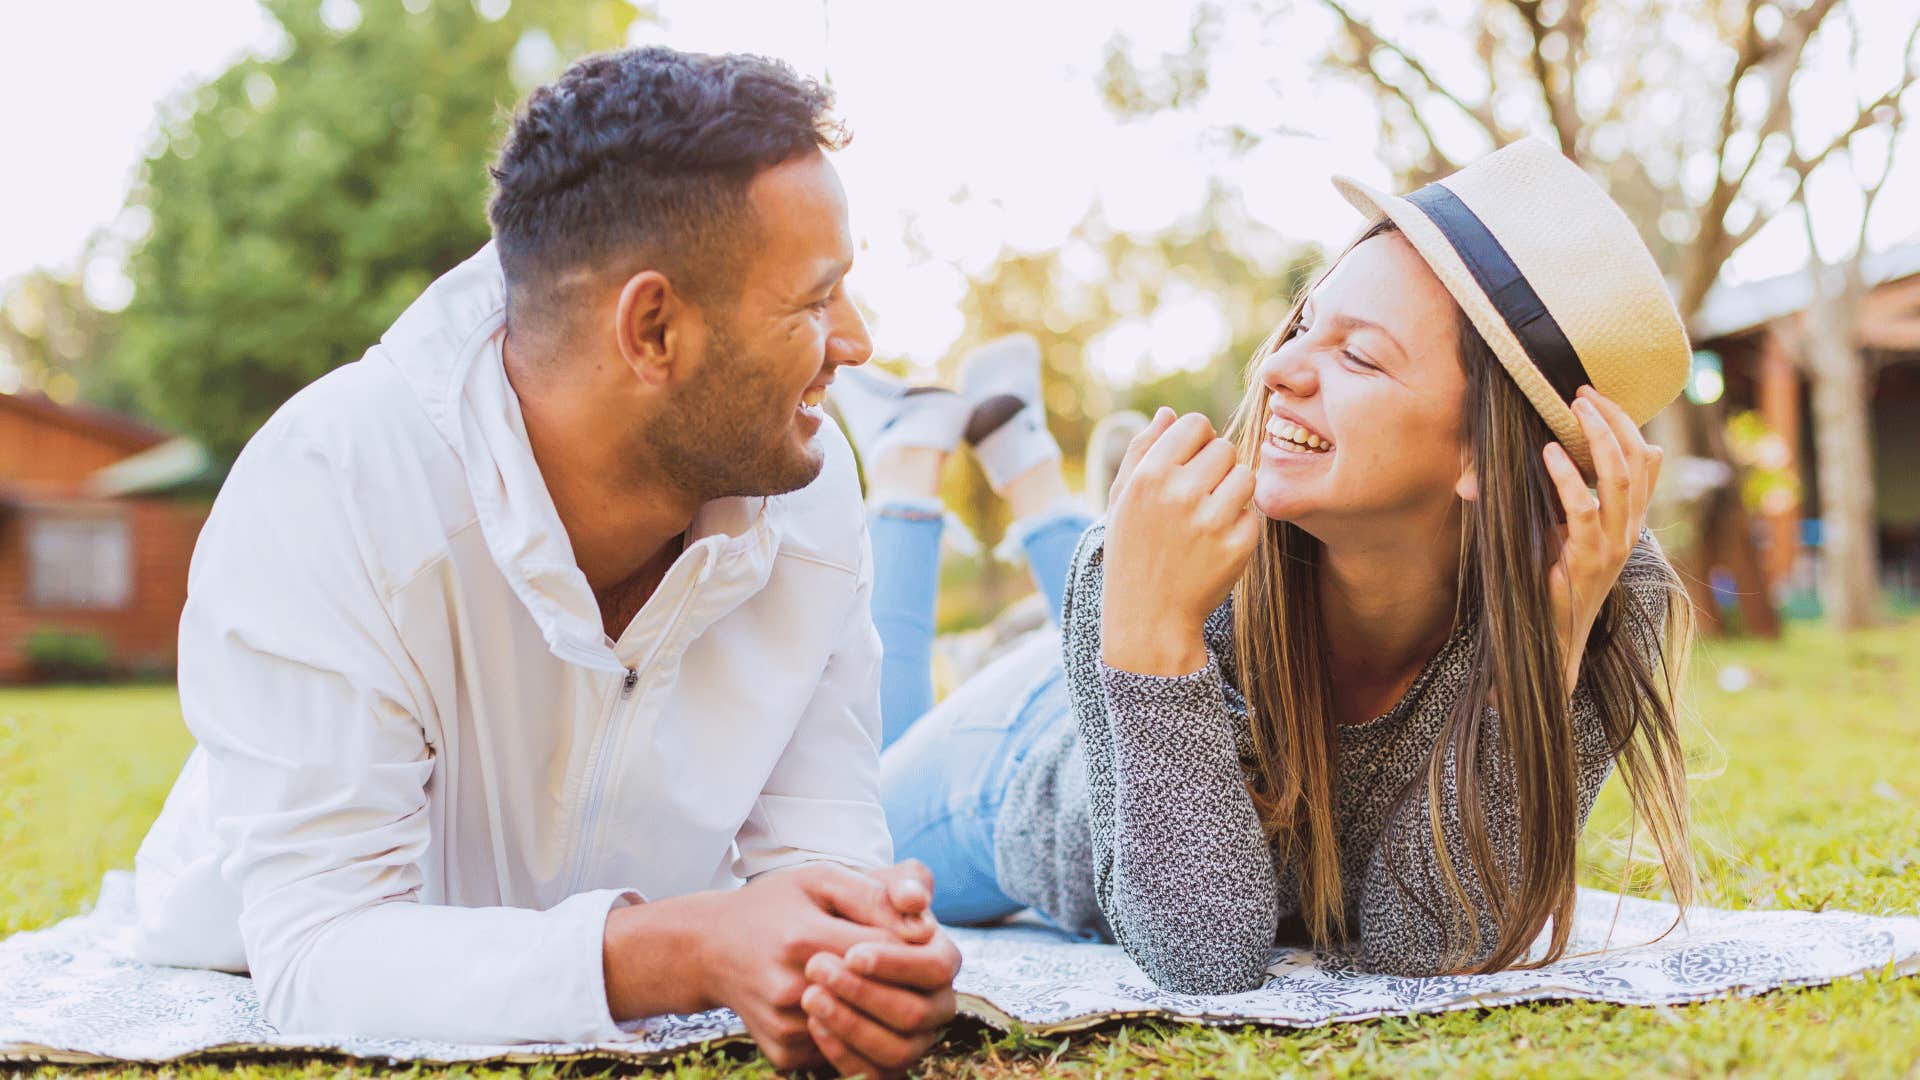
(424, 774)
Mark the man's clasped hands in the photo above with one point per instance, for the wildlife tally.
(823, 963)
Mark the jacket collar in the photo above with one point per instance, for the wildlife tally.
(447, 345)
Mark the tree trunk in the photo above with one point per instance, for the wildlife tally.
(1850, 558)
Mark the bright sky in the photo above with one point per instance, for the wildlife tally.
(977, 125)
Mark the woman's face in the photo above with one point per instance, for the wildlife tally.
(1363, 406)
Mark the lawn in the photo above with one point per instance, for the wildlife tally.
(1811, 800)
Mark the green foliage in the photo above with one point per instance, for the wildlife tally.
(58, 342)
(299, 202)
(57, 655)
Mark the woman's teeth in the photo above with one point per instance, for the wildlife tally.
(813, 396)
(1287, 435)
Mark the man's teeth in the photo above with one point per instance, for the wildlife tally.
(1291, 436)
(813, 396)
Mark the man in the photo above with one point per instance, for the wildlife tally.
(514, 647)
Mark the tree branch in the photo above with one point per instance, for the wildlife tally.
(1561, 109)
(1369, 39)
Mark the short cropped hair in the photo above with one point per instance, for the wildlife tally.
(642, 158)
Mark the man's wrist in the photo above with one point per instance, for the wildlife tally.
(654, 958)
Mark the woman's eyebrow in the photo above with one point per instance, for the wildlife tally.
(1354, 322)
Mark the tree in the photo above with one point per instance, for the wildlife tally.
(300, 201)
(1841, 381)
(53, 340)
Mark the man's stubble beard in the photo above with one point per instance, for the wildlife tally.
(727, 432)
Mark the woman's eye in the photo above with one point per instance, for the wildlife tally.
(1357, 359)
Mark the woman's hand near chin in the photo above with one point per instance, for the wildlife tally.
(1601, 528)
(1180, 529)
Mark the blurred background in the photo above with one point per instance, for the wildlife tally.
(211, 203)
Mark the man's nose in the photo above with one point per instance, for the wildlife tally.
(849, 344)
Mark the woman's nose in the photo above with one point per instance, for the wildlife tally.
(1292, 369)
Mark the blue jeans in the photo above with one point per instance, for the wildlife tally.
(944, 769)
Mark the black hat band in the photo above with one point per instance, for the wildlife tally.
(1493, 269)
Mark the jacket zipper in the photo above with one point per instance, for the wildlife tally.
(598, 768)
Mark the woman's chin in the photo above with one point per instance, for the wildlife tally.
(1279, 501)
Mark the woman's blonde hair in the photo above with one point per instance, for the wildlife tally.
(1630, 666)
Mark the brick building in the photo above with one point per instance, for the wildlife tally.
(98, 517)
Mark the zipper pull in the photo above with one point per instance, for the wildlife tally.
(627, 684)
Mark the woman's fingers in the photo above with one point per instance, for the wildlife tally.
(1585, 534)
(1137, 447)
(1211, 465)
(1183, 439)
(1642, 470)
(1615, 482)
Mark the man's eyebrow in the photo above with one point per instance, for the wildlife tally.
(830, 276)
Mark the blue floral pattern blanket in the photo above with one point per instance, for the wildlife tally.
(71, 994)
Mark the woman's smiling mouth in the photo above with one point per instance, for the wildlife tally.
(1292, 438)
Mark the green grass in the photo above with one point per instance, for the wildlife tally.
(1816, 803)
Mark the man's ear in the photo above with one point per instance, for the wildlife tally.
(1468, 486)
(645, 329)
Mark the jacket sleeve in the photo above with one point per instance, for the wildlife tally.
(822, 800)
(1182, 869)
(1410, 923)
(309, 710)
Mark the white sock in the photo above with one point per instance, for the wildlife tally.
(881, 412)
(1008, 424)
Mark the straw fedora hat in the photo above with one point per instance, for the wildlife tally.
(1554, 277)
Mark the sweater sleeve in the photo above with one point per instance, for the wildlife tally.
(1410, 922)
(1182, 869)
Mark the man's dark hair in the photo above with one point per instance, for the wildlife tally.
(641, 158)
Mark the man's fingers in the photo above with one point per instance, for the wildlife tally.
(925, 967)
(861, 1033)
(909, 888)
(859, 897)
(901, 1009)
(1138, 446)
(842, 1057)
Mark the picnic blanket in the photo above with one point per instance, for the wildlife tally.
(70, 993)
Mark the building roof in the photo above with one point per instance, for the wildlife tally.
(173, 467)
(1732, 309)
(103, 424)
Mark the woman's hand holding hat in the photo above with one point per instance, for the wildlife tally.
(1180, 529)
(1602, 526)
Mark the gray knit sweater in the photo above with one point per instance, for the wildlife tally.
(1135, 820)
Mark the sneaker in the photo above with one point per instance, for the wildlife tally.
(880, 412)
(1007, 425)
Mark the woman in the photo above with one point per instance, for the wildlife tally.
(1354, 676)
